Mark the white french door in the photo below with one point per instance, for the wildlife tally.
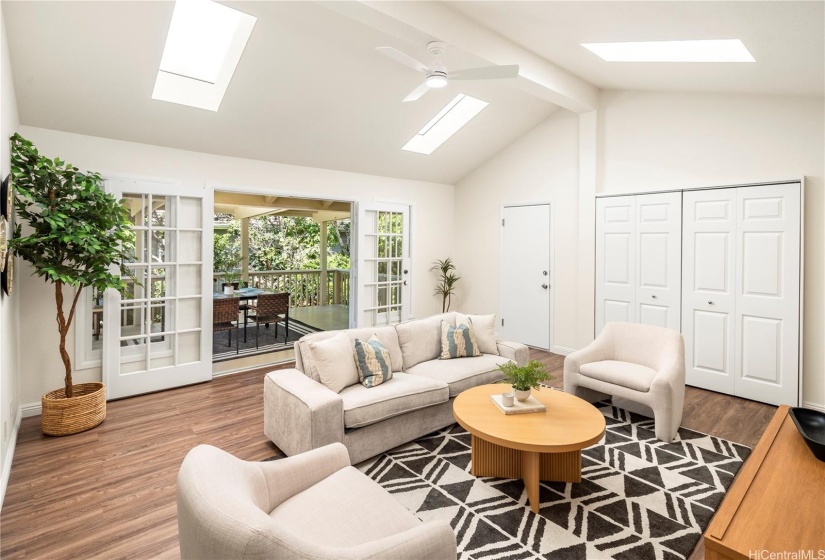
(526, 286)
(158, 334)
(383, 275)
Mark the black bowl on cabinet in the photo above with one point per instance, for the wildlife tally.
(811, 424)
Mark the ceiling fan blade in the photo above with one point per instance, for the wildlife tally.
(485, 73)
(403, 58)
(417, 92)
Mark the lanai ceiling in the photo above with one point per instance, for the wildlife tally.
(311, 90)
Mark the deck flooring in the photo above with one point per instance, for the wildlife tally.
(322, 317)
(110, 492)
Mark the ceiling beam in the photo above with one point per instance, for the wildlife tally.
(537, 76)
(237, 199)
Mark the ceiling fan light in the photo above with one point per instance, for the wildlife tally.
(436, 81)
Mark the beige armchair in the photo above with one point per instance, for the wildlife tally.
(640, 363)
(312, 505)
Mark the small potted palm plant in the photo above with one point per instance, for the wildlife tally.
(525, 378)
(447, 281)
(78, 235)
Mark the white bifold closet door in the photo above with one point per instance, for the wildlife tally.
(708, 280)
(658, 265)
(615, 260)
(741, 302)
(767, 289)
(638, 241)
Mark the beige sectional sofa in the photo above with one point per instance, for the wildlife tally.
(300, 413)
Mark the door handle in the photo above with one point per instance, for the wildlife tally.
(710, 303)
(653, 296)
(545, 286)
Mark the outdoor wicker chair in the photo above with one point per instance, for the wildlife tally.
(271, 308)
(225, 318)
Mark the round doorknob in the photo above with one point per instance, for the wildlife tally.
(653, 296)
(710, 303)
(545, 286)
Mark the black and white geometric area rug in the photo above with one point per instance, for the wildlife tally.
(639, 498)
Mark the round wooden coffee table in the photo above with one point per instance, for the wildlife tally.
(536, 446)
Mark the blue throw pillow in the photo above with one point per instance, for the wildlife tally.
(458, 342)
(373, 362)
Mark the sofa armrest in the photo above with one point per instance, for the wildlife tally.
(515, 351)
(299, 413)
(292, 475)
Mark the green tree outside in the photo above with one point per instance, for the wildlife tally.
(282, 243)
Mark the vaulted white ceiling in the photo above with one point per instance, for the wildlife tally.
(786, 38)
(311, 90)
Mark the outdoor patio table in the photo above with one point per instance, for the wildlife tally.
(244, 294)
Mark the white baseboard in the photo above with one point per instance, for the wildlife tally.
(4, 481)
(31, 409)
(814, 406)
(562, 350)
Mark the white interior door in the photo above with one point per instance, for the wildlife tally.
(526, 275)
(615, 260)
(159, 334)
(658, 262)
(383, 276)
(709, 295)
(767, 285)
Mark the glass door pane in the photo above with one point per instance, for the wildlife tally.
(153, 345)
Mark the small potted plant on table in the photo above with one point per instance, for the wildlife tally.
(525, 378)
(80, 236)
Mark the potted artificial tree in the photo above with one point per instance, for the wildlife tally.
(525, 378)
(79, 235)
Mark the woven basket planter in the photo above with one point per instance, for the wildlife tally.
(85, 410)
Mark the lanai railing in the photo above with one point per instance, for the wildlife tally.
(304, 286)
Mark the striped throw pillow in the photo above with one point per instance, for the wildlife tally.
(459, 341)
(373, 362)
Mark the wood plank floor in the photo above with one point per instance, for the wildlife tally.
(110, 492)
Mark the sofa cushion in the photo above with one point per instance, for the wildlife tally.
(484, 328)
(461, 375)
(343, 510)
(334, 361)
(387, 335)
(420, 339)
(458, 341)
(373, 362)
(401, 394)
(623, 374)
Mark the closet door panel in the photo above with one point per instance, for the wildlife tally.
(767, 285)
(708, 281)
(615, 260)
(658, 267)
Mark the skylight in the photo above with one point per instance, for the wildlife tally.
(724, 50)
(447, 122)
(203, 47)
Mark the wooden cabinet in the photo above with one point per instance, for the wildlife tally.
(777, 502)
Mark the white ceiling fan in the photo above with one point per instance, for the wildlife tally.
(437, 74)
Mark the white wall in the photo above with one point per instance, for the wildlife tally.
(540, 166)
(9, 123)
(432, 225)
(653, 141)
